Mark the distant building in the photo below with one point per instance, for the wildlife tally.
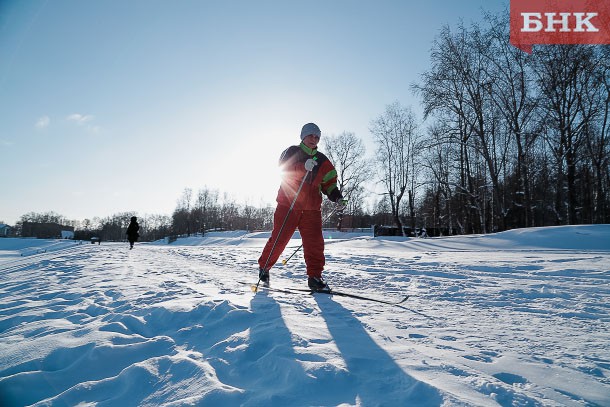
(6, 230)
(45, 230)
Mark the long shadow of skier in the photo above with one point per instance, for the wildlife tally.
(273, 366)
(268, 369)
(377, 379)
(252, 352)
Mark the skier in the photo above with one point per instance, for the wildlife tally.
(132, 231)
(307, 174)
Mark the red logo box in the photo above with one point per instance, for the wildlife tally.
(559, 22)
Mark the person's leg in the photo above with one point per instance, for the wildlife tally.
(310, 228)
(277, 242)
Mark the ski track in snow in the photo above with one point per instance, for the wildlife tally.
(171, 325)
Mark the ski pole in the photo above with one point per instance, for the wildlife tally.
(308, 170)
(299, 248)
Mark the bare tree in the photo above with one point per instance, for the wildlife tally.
(571, 95)
(513, 93)
(347, 153)
(206, 209)
(396, 135)
(457, 106)
(181, 218)
(441, 153)
(229, 212)
(457, 89)
(598, 142)
(156, 227)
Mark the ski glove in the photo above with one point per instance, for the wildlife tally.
(309, 164)
(341, 205)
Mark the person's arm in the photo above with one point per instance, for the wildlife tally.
(329, 183)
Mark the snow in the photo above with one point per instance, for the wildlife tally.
(519, 318)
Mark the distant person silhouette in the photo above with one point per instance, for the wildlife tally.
(132, 231)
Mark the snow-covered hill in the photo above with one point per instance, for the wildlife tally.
(520, 318)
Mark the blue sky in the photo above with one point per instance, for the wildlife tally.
(118, 105)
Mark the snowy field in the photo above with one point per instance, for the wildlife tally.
(520, 318)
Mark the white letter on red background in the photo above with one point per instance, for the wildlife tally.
(580, 21)
(550, 22)
(529, 19)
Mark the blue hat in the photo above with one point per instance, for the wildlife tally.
(310, 128)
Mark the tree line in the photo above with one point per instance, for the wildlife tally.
(508, 140)
(514, 140)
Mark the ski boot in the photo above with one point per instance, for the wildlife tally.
(317, 284)
(263, 275)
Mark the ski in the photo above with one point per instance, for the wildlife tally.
(286, 290)
(293, 290)
(361, 297)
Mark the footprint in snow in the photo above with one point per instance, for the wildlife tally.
(510, 378)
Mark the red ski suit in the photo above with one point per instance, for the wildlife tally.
(306, 212)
